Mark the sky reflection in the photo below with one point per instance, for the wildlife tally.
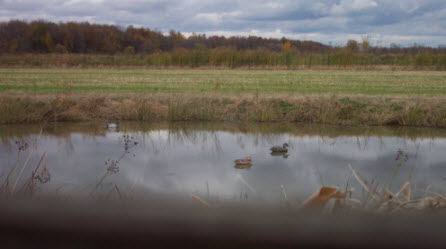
(180, 162)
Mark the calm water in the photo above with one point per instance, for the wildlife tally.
(180, 159)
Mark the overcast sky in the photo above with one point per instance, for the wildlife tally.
(335, 21)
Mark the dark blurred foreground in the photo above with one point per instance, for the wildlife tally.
(162, 223)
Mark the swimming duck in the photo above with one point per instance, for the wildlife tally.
(113, 125)
(284, 148)
(246, 161)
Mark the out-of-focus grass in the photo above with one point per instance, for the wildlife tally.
(40, 80)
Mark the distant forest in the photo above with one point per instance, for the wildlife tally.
(83, 37)
(40, 37)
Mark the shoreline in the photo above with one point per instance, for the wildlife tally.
(314, 109)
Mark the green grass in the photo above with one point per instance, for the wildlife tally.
(223, 81)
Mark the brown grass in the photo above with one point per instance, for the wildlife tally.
(323, 109)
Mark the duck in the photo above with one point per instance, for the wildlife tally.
(113, 125)
(283, 148)
(246, 161)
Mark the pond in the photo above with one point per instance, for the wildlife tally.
(179, 159)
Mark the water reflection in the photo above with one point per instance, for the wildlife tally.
(280, 154)
(197, 158)
(241, 166)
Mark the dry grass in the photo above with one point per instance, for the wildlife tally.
(9, 185)
(412, 98)
(332, 200)
(322, 109)
(380, 202)
(21, 185)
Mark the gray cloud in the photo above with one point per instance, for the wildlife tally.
(386, 21)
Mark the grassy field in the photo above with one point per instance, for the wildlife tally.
(408, 98)
(429, 83)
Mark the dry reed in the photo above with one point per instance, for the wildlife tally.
(354, 110)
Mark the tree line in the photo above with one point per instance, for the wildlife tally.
(84, 38)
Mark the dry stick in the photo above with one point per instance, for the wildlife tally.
(119, 192)
(284, 196)
(109, 192)
(413, 162)
(360, 181)
(319, 173)
(99, 182)
(106, 173)
(57, 189)
(15, 168)
(33, 173)
(5, 183)
(26, 162)
(38, 165)
(284, 193)
(131, 190)
(198, 199)
(207, 190)
(401, 205)
(244, 182)
(2, 185)
(81, 189)
(433, 193)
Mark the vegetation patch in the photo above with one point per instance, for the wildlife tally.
(193, 107)
(328, 97)
(262, 82)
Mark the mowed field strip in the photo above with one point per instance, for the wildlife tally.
(429, 83)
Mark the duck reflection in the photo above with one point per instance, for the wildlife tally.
(245, 166)
(116, 129)
(282, 154)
